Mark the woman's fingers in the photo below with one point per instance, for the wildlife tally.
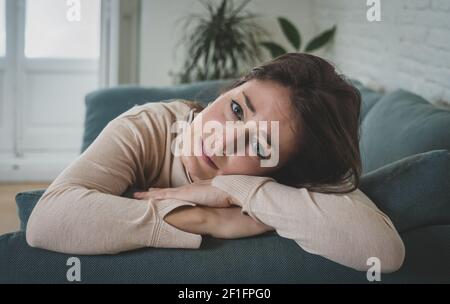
(201, 193)
(230, 223)
(154, 189)
(140, 195)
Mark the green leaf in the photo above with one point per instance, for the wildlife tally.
(291, 33)
(274, 49)
(321, 40)
(220, 39)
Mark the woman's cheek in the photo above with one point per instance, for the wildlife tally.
(244, 165)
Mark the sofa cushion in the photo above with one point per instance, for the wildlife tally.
(266, 258)
(26, 201)
(369, 97)
(399, 125)
(414, 191)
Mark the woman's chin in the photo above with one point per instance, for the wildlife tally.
(196, 170)
(203, 174)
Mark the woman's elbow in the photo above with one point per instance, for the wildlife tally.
(41, 227)
(35, 233)
(393, 255)
(34, 238)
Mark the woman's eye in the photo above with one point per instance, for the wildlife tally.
(236, 109)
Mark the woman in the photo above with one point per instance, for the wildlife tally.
(310, 195)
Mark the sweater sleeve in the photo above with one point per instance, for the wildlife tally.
(345, 228)
(82, 211)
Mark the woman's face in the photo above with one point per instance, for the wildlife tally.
(254, 103)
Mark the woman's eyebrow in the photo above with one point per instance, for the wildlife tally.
(249, 104)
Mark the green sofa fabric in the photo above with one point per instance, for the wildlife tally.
(401, 124)
(262, 259)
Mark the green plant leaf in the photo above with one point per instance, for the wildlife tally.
(321, 40)
(220, 40)
(291, 32)
(274, 49)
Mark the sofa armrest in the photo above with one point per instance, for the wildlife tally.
(25, 202)
(266, 258)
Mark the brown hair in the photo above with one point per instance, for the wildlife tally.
(196, 105)
(328, 107)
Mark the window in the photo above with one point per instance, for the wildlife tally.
(54, 60)
(2, 29)
(50, 32)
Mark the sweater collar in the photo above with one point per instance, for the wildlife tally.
(179, 179)
(191, 115)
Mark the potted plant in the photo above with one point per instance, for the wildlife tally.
(295, 39)
(221, 43)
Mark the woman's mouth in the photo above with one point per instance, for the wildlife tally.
(207, 159)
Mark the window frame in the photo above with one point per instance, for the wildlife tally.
(15, 66)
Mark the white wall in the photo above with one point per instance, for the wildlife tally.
(129, 42)
(159, 33)
(409, 48)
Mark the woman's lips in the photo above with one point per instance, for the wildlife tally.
(207, 159)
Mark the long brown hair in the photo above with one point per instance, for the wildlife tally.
(328, 107)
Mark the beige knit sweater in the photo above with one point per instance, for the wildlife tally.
(82, 211)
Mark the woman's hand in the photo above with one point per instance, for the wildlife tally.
(216, 217)
(224, 223)
(200, 192)
(231, 223)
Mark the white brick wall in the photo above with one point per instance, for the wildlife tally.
(409, 48)
(159, 33)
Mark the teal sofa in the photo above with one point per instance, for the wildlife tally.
(405, 144)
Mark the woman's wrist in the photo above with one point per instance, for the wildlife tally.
(230, 223)
(227, 223)
(190, 219)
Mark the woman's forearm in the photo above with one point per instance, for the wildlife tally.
(76, 220)
(190, 219)
(227, 223)
(345, 228)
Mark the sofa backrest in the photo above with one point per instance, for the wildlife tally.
(402, 124)
(369, 97)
